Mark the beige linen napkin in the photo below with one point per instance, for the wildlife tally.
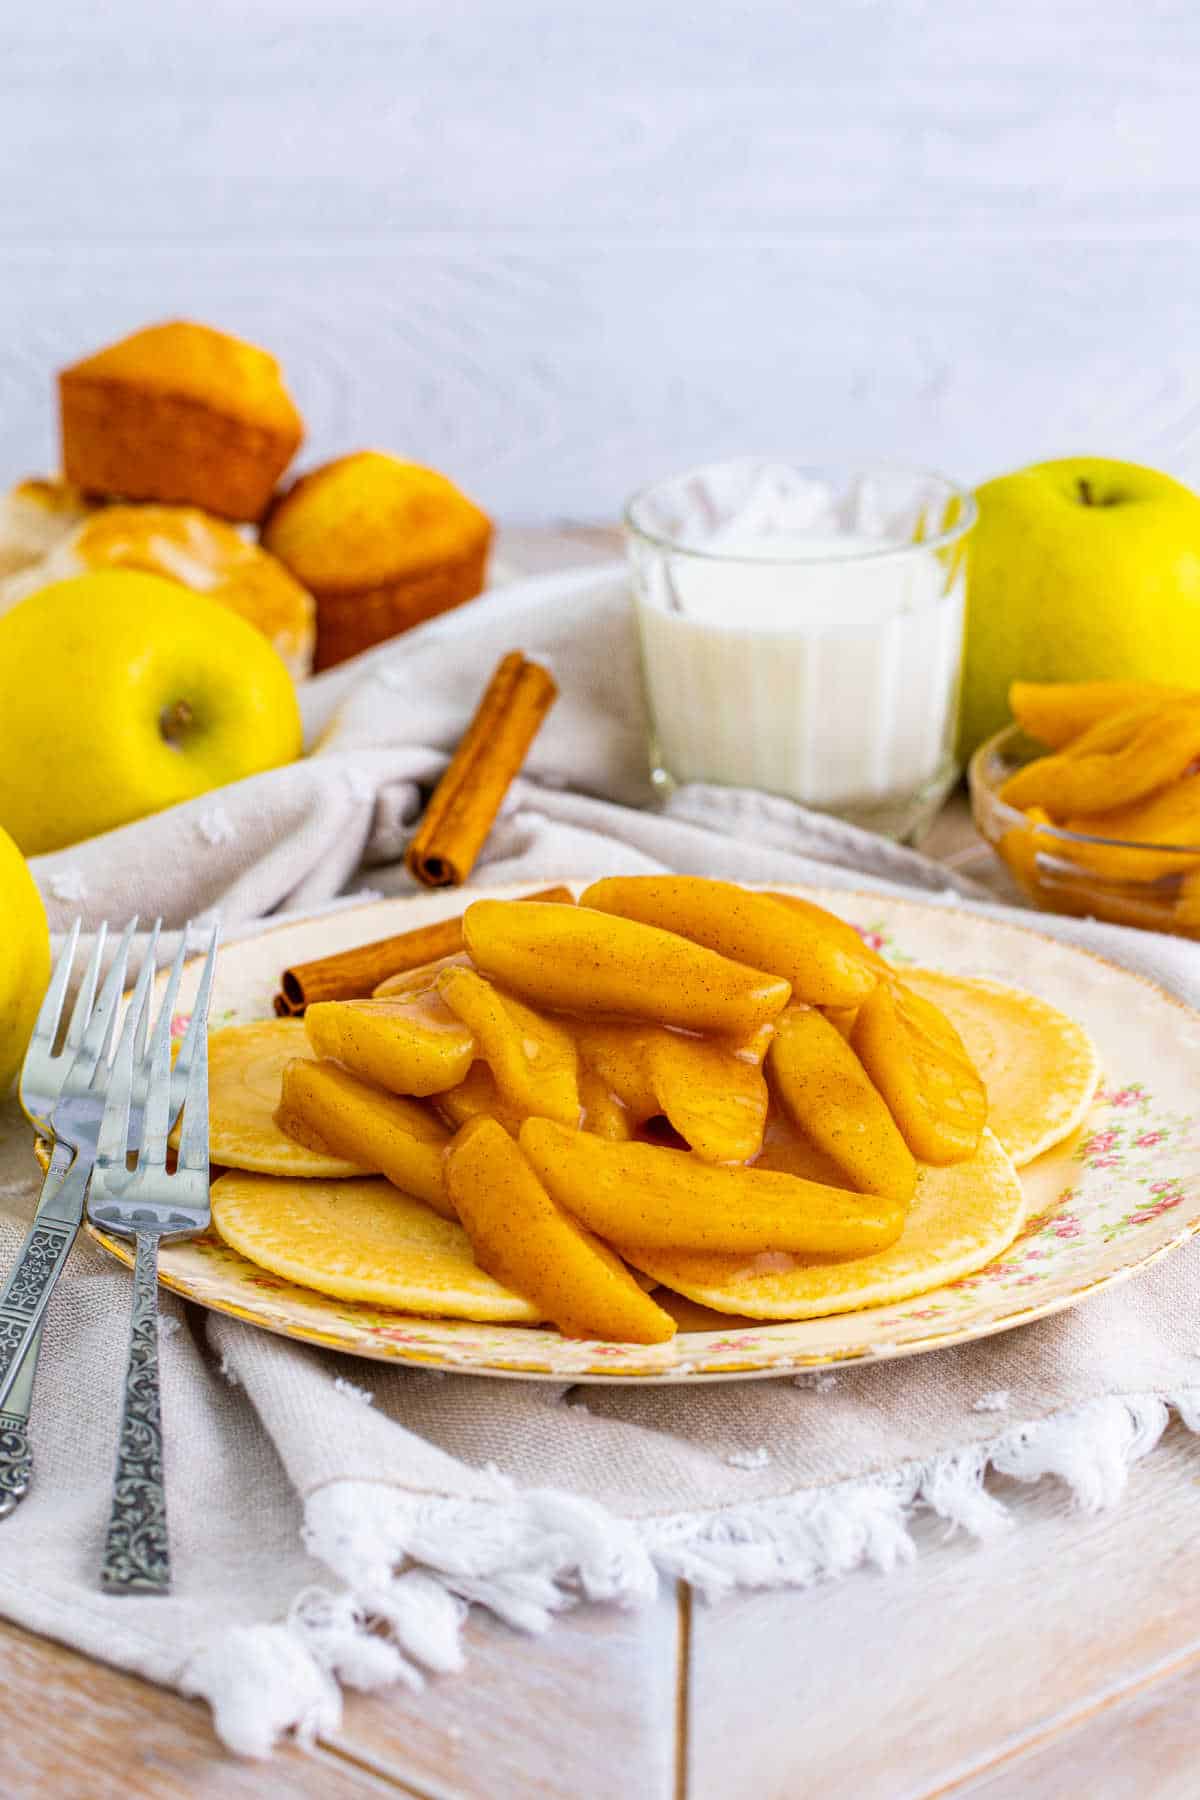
(312, 1495)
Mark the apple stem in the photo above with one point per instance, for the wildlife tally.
(1085, 491)
(175, 721)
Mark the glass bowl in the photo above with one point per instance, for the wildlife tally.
(1153, 886)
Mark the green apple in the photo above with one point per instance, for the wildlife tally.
(123, 693)
(1079, 570)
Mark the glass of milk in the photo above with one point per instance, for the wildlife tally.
(802, 632)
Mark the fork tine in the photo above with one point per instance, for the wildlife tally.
(146, 974)
(166, 1011)
(193, 1142)
(98, 1037)
(114, 1127)
(198, 1023)
(157, 1121)
(113, 1141)
(81, 1012)
(45, 1029)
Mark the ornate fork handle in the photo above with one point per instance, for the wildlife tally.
(137, 1556)
(16, 1462)
(16, 1451)
(39, 1264)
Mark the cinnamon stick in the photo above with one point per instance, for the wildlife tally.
(353, 974)
(467, 799)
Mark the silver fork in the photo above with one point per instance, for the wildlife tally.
(44, 1077)
(148, 1203)
(73, 1113)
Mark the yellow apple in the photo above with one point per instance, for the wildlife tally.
(122, 693)
(1079, 570)
(24, 957)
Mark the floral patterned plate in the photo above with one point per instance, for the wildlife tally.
(1121, 1194)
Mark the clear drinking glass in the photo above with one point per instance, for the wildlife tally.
(802, 631)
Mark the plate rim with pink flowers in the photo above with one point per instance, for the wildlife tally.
(1121, 1193)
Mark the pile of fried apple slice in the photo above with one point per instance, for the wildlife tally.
(586, 1085)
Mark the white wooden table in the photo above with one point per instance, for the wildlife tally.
(1062, 1658)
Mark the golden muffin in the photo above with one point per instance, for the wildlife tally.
(186, 546)
(381, 544)
(182, 414)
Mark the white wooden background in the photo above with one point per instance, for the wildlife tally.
(557, 246)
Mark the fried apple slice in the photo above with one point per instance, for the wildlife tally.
(1170, 816)
(918, 1062)
(1058, 712)
(604, 1112)
(412, 1045)
(842, 1019)
(840, 930)
(789, 1152)
(381, 1132)
(477, 1096)
(421, 980)
(527, 1243)
(814, 956)
(615, 1054)
(828, 1095)
(1187, 904)
(533, 1058)
(575, 959)
(1039, 1067)
(1118, 761)
(960, 1219)
(1019, 846)
(715, 1099)
(713, 1096)
(641, 1195)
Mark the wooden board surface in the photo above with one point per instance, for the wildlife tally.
(1062, 1658)
(75, 1730)
(588, 1710)
(917, 1682)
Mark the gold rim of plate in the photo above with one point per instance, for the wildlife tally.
(1118, 1197)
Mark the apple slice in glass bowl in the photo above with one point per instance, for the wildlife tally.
(1150, 885)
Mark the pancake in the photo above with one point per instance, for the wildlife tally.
(361, 1240)
(245, 1078)
(962, 1216)
(1040, 1068)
